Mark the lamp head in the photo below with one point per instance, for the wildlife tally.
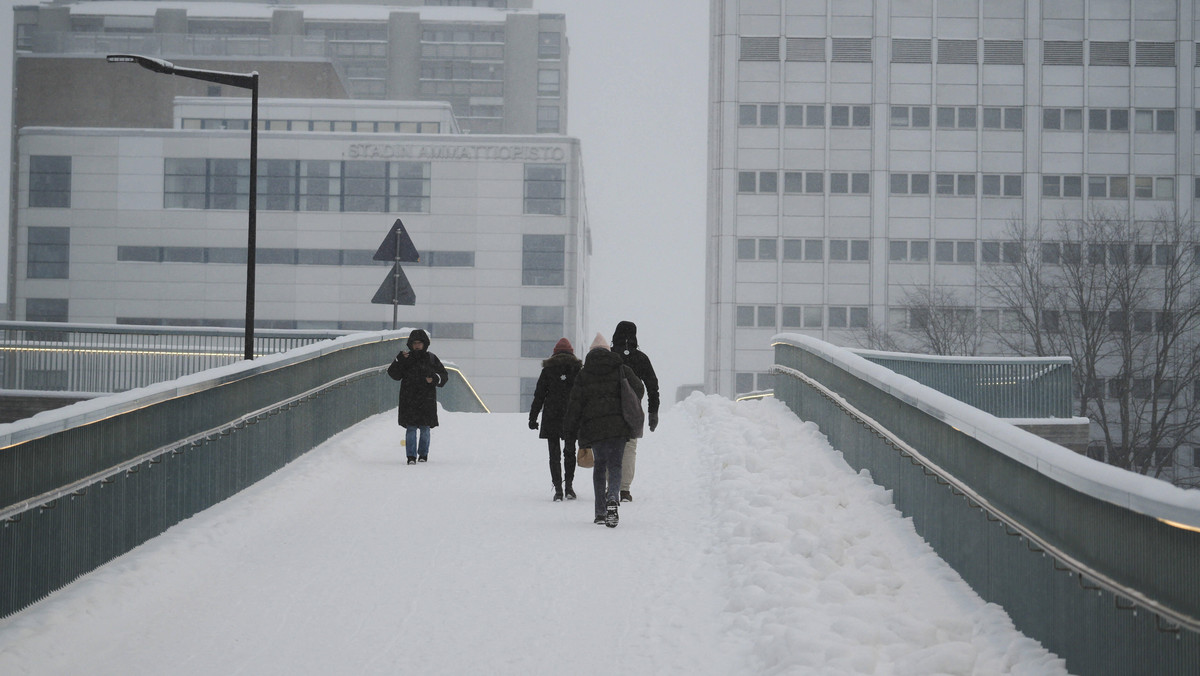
(147, 62)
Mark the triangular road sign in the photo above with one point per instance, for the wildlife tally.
(395, 290)
(397, 246)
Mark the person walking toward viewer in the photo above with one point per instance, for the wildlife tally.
(550, 397)
(625, 344)
(420, 373)
(594, 418)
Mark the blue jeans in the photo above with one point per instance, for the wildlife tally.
(411, 446)
(606, 474)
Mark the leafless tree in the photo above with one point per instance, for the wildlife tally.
(1122, 299)
(940, 322)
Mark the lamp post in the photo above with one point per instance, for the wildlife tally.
(245, 81)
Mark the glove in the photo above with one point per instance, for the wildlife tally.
(653, 420)
(532, 424)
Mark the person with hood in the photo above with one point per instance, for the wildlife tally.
(624, 343)
(420, 373)
(595, 420)
(550, 398)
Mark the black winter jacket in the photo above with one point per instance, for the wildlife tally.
(553, 389)
(418, 399)
(624, 343)
(594, 407)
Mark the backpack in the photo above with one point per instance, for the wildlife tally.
(631, 410)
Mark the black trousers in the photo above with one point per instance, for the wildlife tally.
(565, 456)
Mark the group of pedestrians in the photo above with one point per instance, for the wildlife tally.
(580, 403)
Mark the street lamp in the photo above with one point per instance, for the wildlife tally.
(245, 81)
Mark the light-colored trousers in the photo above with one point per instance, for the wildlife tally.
(628, 462)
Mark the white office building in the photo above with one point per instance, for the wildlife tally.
(863, 148)
(149, 226)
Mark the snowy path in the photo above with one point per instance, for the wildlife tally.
(751, 548)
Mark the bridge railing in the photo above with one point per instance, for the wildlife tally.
(88, 482)
(1097, 563)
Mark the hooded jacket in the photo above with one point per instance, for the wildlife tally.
(553, 389)
(624, 343)
(418, 398)
(594, 407)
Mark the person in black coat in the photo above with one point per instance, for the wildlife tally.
(420, 373)
(594, 418)
(624, 343)
(550, 397)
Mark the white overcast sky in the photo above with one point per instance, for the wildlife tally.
(638, 88)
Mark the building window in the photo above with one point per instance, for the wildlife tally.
(758, 115)
(849, 250)
(914, 251)
(1108, 119)
(546, 189)
(766, 316)
(946, 251)
(549, 45)
(850, 116)
(547, 120)
(277, 180)
(750, 249)
(543, 260)
(841, 183)
(1062, 186)
(910, 117)
(743, 382)
(800, 182)
(1003, 118)
(185, 183)
(1001, 185)
(46, 309)
(909, 184)
(949, 117)
(1154, 120)
(766, 182)
(50, 181)
(49, 253)
(541, 327)
(999, 252)
(962, 185)
(228, 184)
(841, 317)
(364, 186)
(408, 187)
(320, 185)
(802, 317)
(744, 315)
(1066, 119)
(548, 81)
(1108, 186)
(1154, 187)
(796, 115)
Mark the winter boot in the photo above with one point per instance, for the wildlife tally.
(569, 491)
(558, 493)
(610, 514)
(626, 497)
(412, 460)
(599, 519)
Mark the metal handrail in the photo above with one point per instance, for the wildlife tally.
(995, 514)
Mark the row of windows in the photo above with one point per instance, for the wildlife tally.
(961, 185)
(363, 126)
(543, 257)
(959, 117)
(802, 316)
(297, 185)
(950, 51)
(749, 249)
(1144, 187)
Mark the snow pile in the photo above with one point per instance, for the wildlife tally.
(824, 573)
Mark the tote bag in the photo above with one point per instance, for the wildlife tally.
(631, 410)
(584, 458)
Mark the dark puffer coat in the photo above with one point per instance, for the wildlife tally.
(624, 343)
(594, 407)
(418, 399)
(550, 396)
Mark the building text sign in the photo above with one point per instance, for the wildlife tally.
(398, 151)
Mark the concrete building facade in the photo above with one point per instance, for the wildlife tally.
(860, 149)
